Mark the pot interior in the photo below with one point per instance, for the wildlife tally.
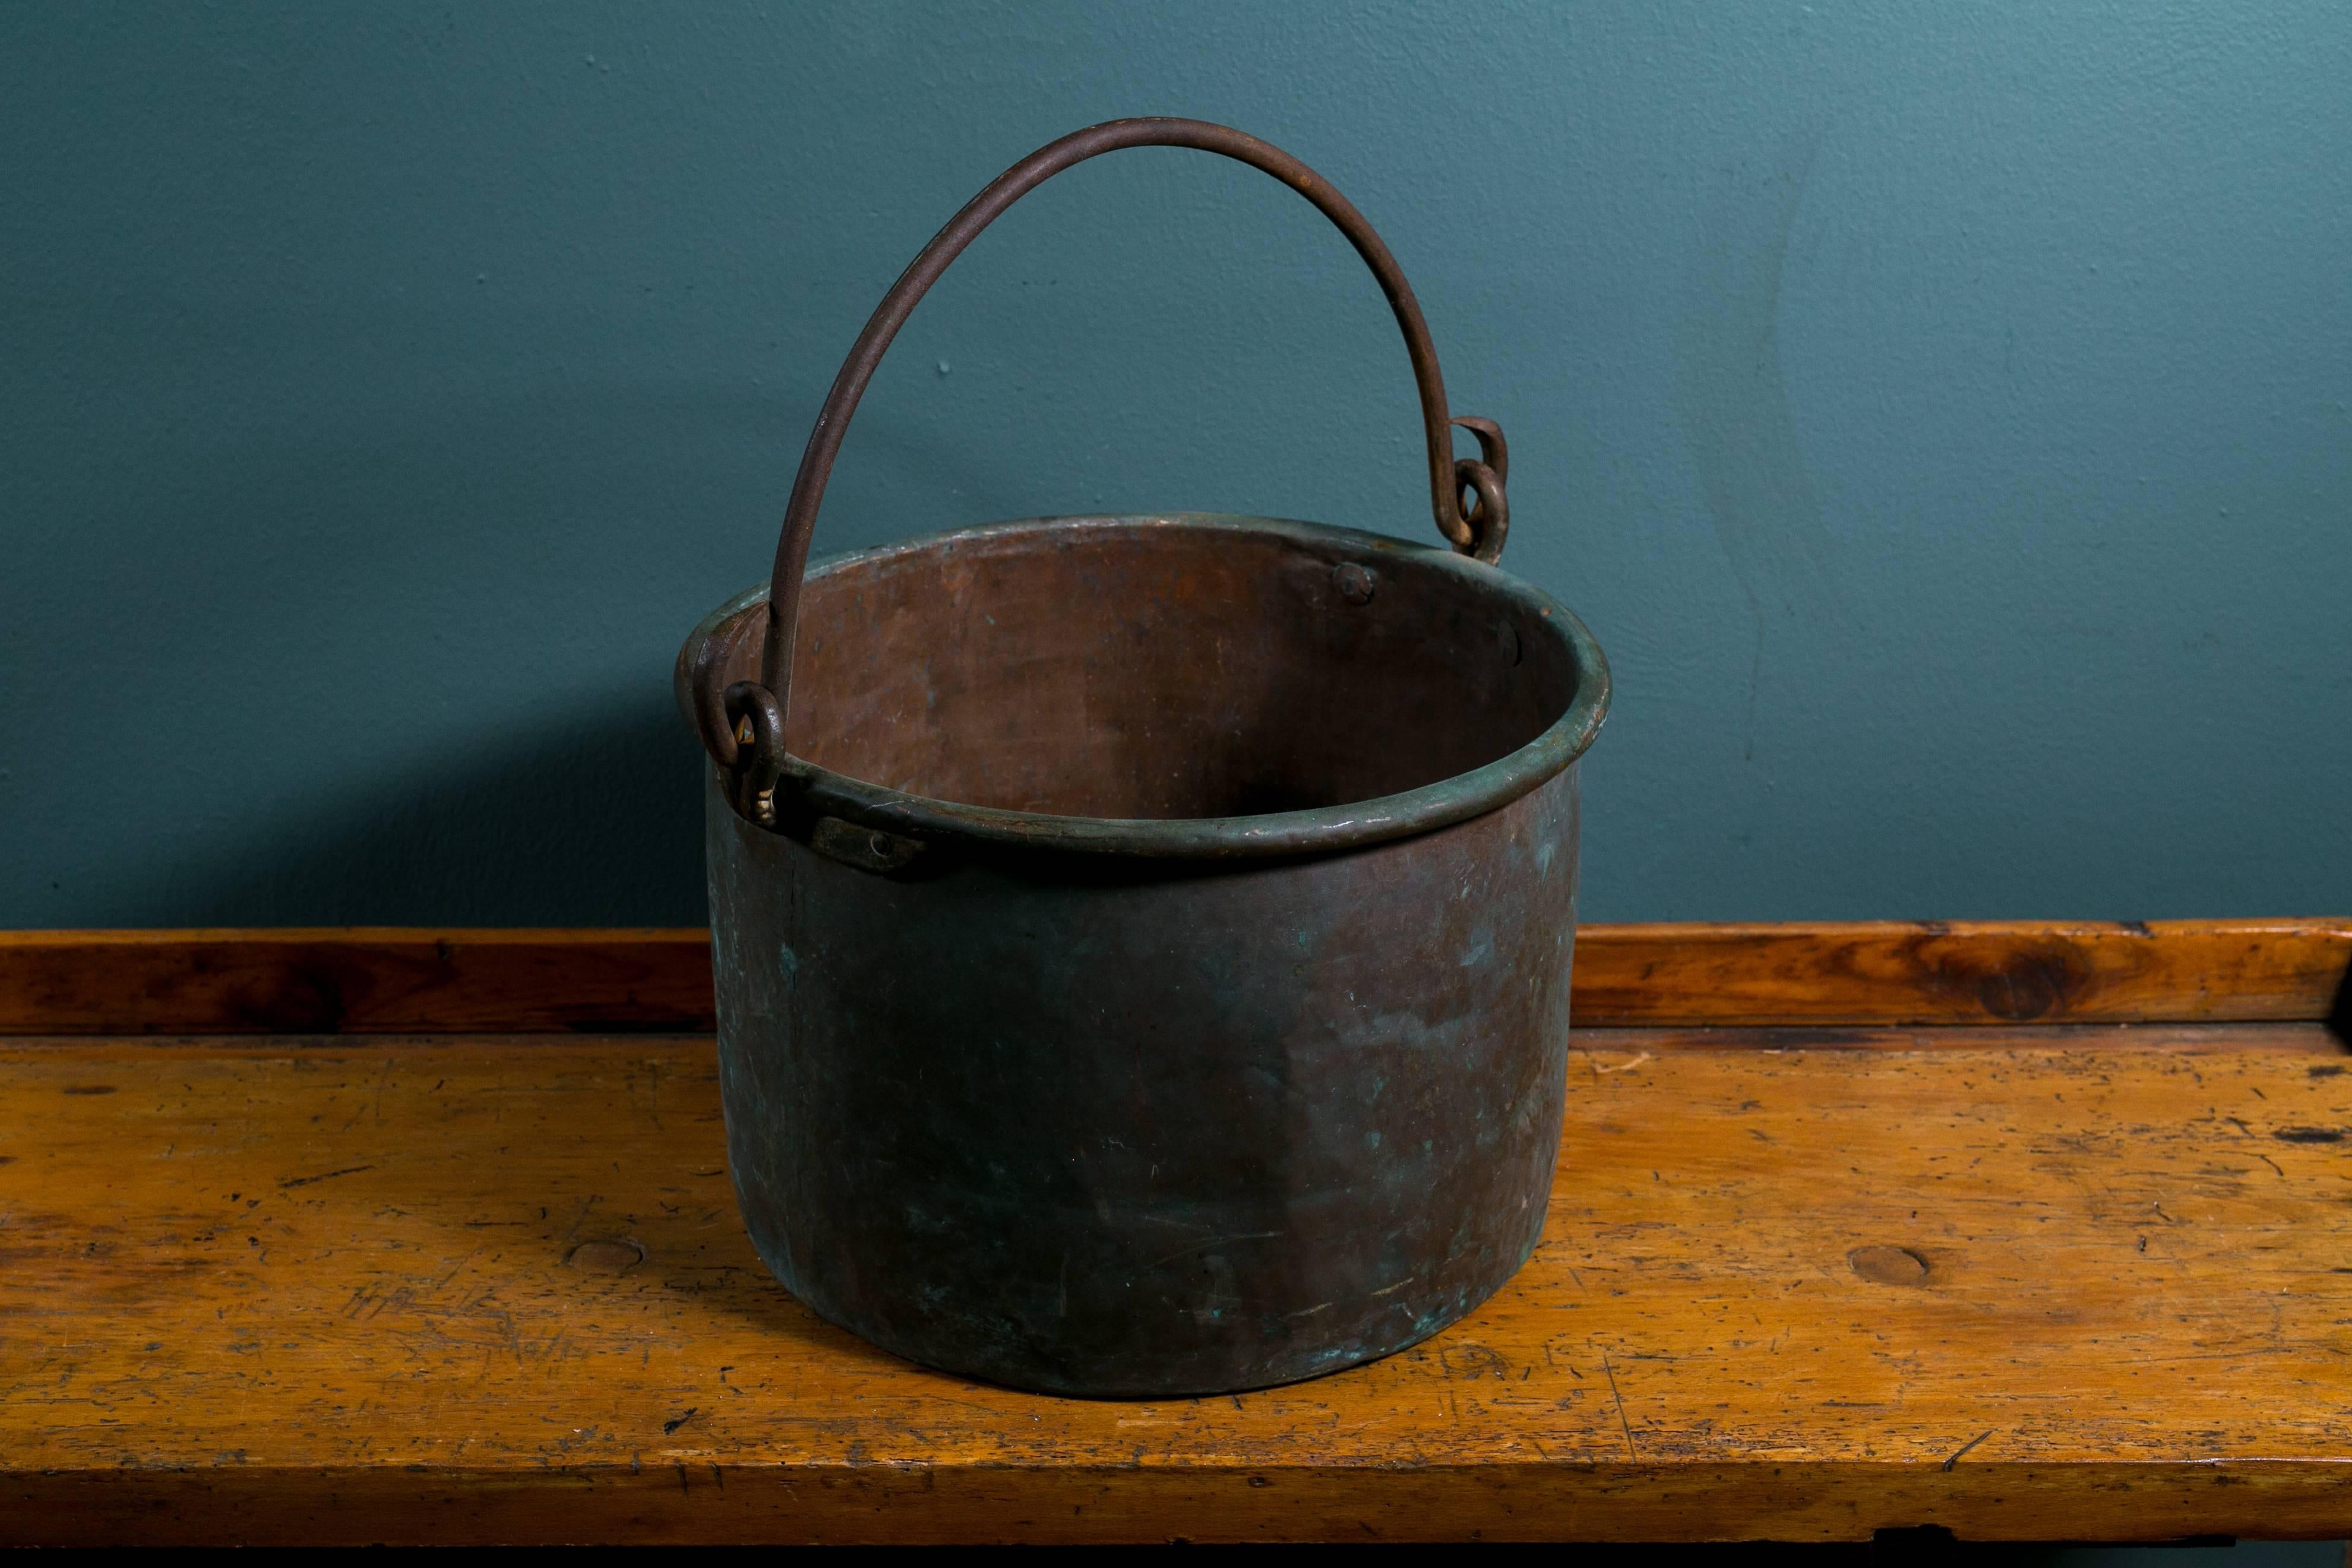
(1153, 668)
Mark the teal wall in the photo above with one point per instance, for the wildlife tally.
(1939, 412)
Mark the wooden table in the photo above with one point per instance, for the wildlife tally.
(2030, 1231)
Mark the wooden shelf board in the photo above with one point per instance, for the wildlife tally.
(398, 981)
(2028, 1284)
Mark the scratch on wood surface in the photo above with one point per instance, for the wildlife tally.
(1964, 1448)
(323, 1176)
(1622, 1425)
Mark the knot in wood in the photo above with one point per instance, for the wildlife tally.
(1888, 1264)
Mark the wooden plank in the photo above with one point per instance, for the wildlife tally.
(2300, 1039)
(1984, 972)
(358, 980)
(380, 980)
(2315, 1039)
(467, 1289)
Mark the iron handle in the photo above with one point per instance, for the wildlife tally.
(751, 714)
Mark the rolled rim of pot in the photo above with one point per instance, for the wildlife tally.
(735, 630)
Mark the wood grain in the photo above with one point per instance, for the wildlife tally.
(1988, 972)
(475, 1289)
(353, 979)
(1871, 974)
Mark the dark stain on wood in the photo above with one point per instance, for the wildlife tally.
(2035, 987)
(307, 998)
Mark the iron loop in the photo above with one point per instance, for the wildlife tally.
(1487, 519)
(1464, 529)
(756, 722)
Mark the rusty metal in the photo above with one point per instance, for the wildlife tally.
(1146, 972)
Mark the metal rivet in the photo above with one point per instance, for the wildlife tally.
(1354, 583)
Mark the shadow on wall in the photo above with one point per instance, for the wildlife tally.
(578, 804)
(591, 818)
(418, 672)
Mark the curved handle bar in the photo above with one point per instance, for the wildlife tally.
(752, 713)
